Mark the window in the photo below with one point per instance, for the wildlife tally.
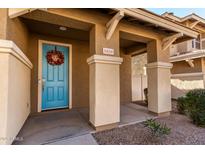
(196, 44)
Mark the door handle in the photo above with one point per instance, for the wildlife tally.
(43, 83)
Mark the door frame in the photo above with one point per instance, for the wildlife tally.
(40, 61)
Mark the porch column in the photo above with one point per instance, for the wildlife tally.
(159, 86)
(104, 73)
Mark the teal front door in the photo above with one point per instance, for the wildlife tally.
(55, 77)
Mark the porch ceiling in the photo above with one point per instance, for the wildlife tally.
(53, 29)
(43, 16)
(133, 44)
(132, 47)
(128, 43)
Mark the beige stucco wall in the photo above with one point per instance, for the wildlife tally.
(158, 78)
(181, 85)
(17, 32)
(3, 21)
(185, 78)
(98, 20)
(19, 89)
(4, 63)
(15, 96)
(183, 67)
(159, 87)
(103, 93)
(125, 78)
(104, 90)
(80, 69)
(154, 52)
(13, 29)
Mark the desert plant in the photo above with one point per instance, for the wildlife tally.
(157, 129)
(146, 95)
(193, 105)
(197, 107)
(182, 105)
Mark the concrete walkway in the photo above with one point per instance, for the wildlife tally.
(52, 126)
(131, 113)
(71, 126)
(87, 139)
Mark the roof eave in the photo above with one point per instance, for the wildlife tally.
(193, 16)
(153, 18)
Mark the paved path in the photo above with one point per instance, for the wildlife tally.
(71, 126)
(53, 126)
(131, 113)
(79, 140)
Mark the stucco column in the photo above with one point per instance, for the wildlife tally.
(104, 80)
(159, 86)
(104, 91)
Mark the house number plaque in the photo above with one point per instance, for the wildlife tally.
(108, 51)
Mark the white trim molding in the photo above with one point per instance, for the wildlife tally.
(159, 65)
(7, 46)
(16, 12)
(104, 59)
(188, 56)
(197, 74)
(40, 42)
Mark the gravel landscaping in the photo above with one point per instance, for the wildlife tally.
(182, 132)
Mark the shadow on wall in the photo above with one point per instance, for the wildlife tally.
(176, 92)
(179, 87)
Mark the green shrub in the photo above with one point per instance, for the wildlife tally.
(197, 108)
(182, 105)
(157, 129)
(196, 93)
(193, 105)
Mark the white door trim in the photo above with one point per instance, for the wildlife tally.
(40, 42)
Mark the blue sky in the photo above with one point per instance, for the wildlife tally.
(181, 12)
